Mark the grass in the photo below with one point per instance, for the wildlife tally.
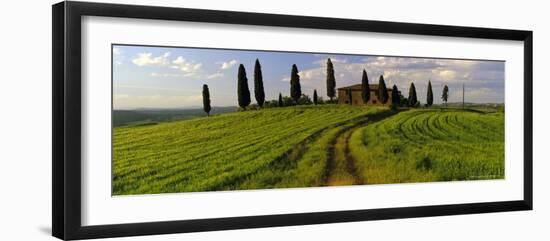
(308, 146)
(252, 149)
(305, 166)
(341, 170)
(431, 145)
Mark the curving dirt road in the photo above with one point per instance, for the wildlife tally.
(341, 168)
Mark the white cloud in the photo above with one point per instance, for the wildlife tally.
(144, 59)
(156, 74)
(445, 74)
(215, 76)
(309, 76)
(186, 68)
(403, 71)
(189, 68)
(228, 64)
(332, 59)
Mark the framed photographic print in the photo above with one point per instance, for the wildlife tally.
(169, 120)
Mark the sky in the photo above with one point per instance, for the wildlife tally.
(172, 77)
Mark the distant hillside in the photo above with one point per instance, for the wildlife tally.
(468, 104)
(148, 116)
(484, 107)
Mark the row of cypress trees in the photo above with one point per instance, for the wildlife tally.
(243, 92)
(412, 100)
(382, 89)
(365, 88)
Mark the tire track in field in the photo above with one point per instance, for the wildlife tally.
(341, 167)
(287, 160)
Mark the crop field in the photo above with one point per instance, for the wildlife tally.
(307, 146)
(251, 149)
(430, 145)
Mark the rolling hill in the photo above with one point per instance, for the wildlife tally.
(153, 116)
(307, 146)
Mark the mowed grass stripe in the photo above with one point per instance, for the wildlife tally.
(431, 145)
(245, 136)
(306, 164)
(206, 153)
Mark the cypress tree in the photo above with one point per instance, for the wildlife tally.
(295, 88)
(445, 94)
(412, 95)
(430, 97)
(314, 97)
(243, 92)
(382, 90)
(259, 84)
(331, 81)
(206, 100)
(365, 88)
(395, 99)
(280, 100)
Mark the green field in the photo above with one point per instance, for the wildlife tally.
(307, 146)
(430, 145)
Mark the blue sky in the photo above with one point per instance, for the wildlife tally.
(160, 77)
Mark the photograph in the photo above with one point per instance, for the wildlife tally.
(214, 118)
(194, 119)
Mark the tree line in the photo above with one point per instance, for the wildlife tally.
(299, 98)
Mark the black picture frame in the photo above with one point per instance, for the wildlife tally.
(66, 127)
